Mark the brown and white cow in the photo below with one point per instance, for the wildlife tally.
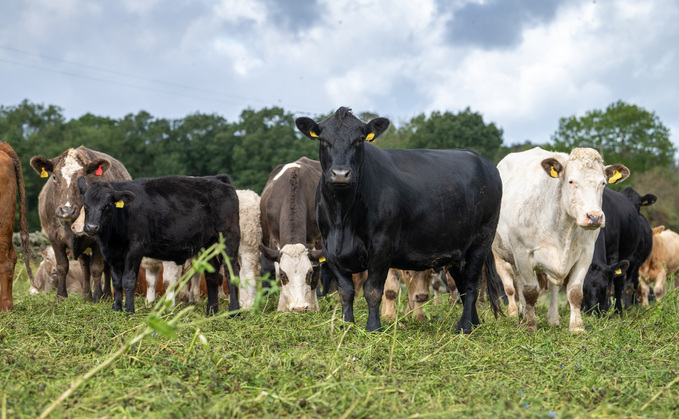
(12, 181)
(550, 219)
(663, 261)
(290, 235)
(46, 278)
(59, 205)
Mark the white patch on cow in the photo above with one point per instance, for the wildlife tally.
(70, 167)
(297, 294)
(248, 249)
(286, 167)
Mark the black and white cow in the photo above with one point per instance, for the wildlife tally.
(407, 209)
(168, 218)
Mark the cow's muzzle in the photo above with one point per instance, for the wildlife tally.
(91, 229)
(66, 213)
(595, 220)
(340, 177)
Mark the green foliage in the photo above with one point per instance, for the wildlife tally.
(268, 364)
(465, 129)
(623, 133)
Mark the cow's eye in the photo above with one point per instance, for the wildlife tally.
(570, 182)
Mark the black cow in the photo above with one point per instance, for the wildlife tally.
(406, 209)
(168, 218)
(627, 236)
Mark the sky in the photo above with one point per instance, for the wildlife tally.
(522, 64)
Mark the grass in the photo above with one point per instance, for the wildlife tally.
(269, 364)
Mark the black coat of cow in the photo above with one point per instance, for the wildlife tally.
(59, 205)
(168, 218)
(408, 209)
(627, 236)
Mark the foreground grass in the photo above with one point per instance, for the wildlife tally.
(272, 364)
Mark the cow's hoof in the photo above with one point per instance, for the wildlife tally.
(577, 329)
(512, 311)
(212, 310)
(117, 307)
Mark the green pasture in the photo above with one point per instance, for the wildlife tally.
(268, 364)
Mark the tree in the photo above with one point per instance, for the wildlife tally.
(463, 130)
(623, 133)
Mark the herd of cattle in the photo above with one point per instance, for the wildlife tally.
(355, 218)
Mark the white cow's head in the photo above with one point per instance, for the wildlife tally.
(295, 274)
(583, 178)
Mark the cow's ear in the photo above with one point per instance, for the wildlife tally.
(42, 165)
(616, 173)
(270, 254)
(552, 166)
(658, 230)
(82, 185)
(620, 268)
(648, 200)
(308, 127)
(316, 256)
(120, 198)
(375, 128)
(98, 167)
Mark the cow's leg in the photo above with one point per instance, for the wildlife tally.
(574, 293)
(642, 290)
(97, 268)
(454, 294)
(468, 286)
(107, 282)
(504, 269)
(391, 287)
(117, 279)
(618, 288)
(372, 291)
(345, 289)
(171, 274)
(84, 260)
(659, 288)
(195, 288)
(9, 259)
(553, 312)
(528, 289)
(62, 268)
(213, 280)
(129, 280)
(152, 275)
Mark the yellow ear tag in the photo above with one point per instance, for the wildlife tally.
(616, 177)
(313, 134)
(656, 234)
(120, 204)
(370, 137)
(553, 172)
(44, 173)
(321, 259)
(618, 272)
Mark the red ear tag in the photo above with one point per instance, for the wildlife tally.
(99, 172)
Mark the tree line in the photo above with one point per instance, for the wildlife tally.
(249, 148)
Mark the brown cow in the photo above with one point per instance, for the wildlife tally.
(663, 261)
(290, 234)
(59, 205)
(12, 180)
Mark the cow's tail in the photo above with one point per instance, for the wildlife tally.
(23, 223)
(493, 284)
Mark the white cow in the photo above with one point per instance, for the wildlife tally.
(549, 220)
(248, 250)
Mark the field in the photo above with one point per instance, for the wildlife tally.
(268, 364)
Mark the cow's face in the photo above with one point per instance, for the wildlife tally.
(418, 283)
(341, 138)
(637, 200)
(99, 202)
(583, 178)
(595, 299)
(297, 275)
(63, 172)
